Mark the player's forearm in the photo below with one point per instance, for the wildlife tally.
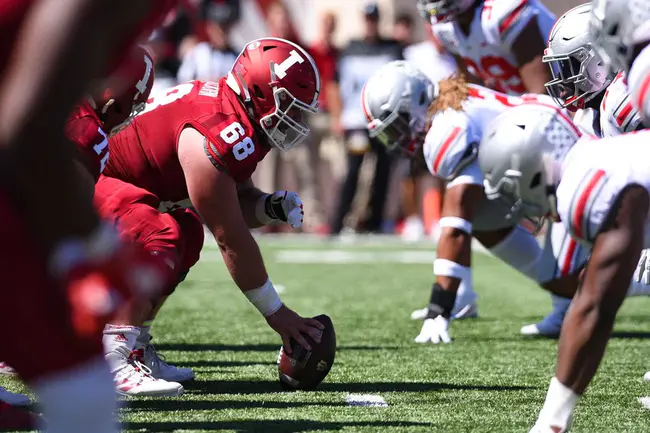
(535, 75)
(453, 259)
(248, 201)
(243, 258)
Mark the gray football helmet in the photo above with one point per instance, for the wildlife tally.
(520, 156)
(579, 74)
(396, 100)
(616, 27)
(443, 10)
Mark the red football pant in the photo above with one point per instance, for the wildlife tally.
(176, 236)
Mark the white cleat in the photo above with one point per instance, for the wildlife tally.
(13, 398)
(420, 314)
(646, 376)
(134, 379)
(6, 369)
(413, 230)
(159, 368)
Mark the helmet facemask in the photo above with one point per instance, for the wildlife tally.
(578, 77)
(399, 131)
(284, 126)
(443, 10)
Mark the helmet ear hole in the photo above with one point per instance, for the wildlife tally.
(536, 180)
(423, 98)
(259, 94)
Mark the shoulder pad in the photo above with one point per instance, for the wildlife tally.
(230, 145)
(503, 20)
(618, 110)
(587, 204)
(449, 144)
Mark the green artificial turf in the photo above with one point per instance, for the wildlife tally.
(488, 380)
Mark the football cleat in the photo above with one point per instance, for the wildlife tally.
(13, 398)
(132, 378)
(158, 366)
(6, 369)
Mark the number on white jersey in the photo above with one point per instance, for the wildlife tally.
(233, 133)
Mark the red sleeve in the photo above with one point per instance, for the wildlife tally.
(91, 142)
(231, 145)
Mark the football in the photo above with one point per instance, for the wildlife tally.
(304, 369)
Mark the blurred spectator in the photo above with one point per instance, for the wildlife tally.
(357, 63)
(435, 63)
(212, 59)
(403, 29)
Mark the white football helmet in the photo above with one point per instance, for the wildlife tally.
(579, 74)
(443, 10)
(616, 26)
(520, 156)
(396, 100)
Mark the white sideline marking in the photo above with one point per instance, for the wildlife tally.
(353, 257)
(645, 402)
(366, 400)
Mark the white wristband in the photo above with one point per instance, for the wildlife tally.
(260, 211)
(447, 268)
(265, 298)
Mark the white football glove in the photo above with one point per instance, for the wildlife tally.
(434, 331)
(284, 206)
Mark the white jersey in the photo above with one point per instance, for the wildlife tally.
(593, 176)
(639, 83)
(487, 49)
(617, 113)
(453, 135)
(435, 64)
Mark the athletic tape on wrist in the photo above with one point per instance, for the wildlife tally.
(260, 210)
(457, 223)
(441, 302)
(265, 299)
(447, 268)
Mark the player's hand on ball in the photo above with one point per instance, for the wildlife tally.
(285, 206)
(434, 331)
(289, 324)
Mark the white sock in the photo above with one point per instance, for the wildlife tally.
(119, 336)
(559, 404)
(80, 400)
(145, 336)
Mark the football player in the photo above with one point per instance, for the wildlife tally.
(621, 35)
(500, 42)
(61, 258)
(444, 124)
(197, 145)
(602, 198)
(583, 84)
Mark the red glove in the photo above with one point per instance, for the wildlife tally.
(101, 274)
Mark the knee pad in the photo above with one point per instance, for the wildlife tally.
(521, 251)
(80, 400)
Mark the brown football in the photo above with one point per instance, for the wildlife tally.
(306, 369)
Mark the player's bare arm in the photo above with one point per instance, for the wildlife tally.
(463, 71)
(455, 241)
(214, 195)
(589, 323)
(249, 196)
(528, 49)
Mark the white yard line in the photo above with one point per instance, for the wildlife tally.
(366, 400)
(354, 257)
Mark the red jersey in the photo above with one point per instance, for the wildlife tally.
(85, 130)
(145, 153)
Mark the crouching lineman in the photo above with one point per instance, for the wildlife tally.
(583, 84)
(197, 145)
(599, 190)
(405, 112)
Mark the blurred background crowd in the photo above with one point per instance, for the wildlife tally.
(347, 182)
